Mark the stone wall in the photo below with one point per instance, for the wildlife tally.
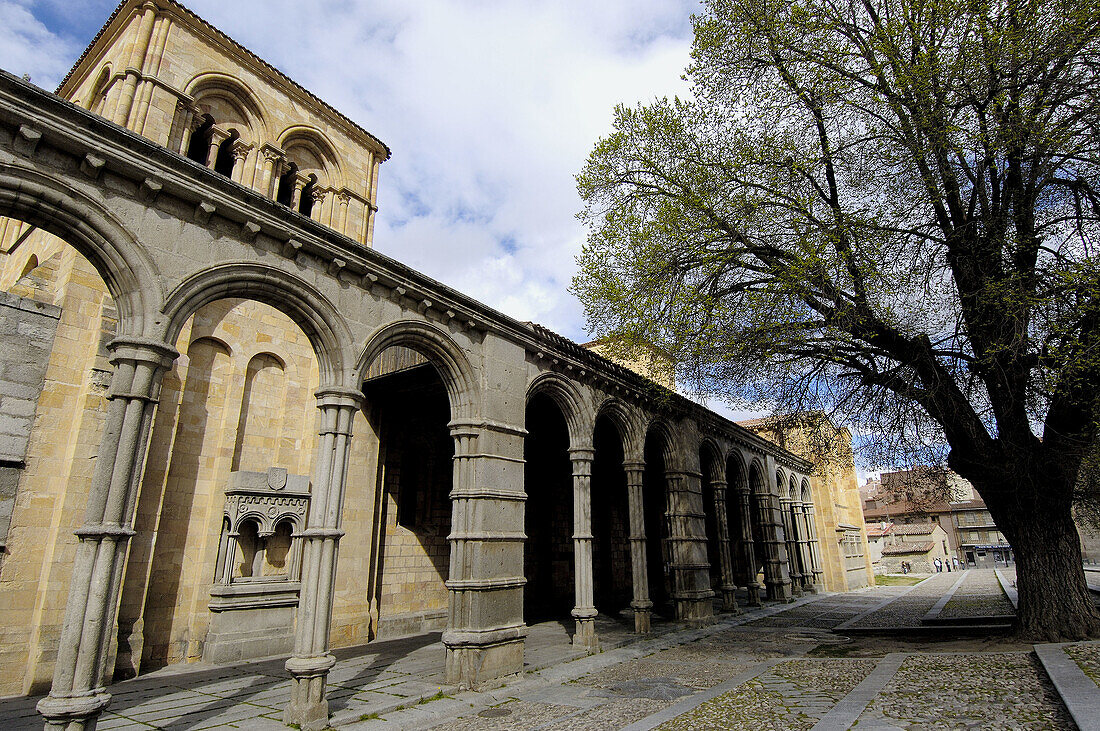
(27, 330)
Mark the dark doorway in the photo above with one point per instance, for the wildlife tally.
(610, 521)
(548, 480)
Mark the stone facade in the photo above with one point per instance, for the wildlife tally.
(239, 391)
(838, 512)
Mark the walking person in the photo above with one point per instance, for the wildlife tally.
(939, 565)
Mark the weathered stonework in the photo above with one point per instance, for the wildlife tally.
(214, 329)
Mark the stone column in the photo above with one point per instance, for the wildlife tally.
(240, 154)
(815, 549)
(725, 562)
(299, 186)
(749, 556)
(776, 581)
(77, 695)
(485, 629)
(786, 512)
(217, 137)
(311, 661)
(641, 604)
(584, 611)
(273, 168)
(687, 537)
(133, 66)
(342, 201)
(798, 516)
(318, 205)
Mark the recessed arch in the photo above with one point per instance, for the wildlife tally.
(312, 152)
(444, 354)
(710, 455)
(737, 474)
(781, 485)
(792, 489)
(212, 91)
(578, 417)
(757, 484)
(297, 299)
(83, 223)
(660, 429)
(627, 422)
(807, 493)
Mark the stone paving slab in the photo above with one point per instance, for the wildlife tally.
(1073, 670)
(968, 691)
(978, 595)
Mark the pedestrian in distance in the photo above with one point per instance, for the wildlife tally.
(939, 565)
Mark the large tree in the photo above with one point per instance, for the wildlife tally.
(888, 209)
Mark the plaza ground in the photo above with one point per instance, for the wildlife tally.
(936, 654)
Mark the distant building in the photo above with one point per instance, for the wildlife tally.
(914, 547)
(970, 533)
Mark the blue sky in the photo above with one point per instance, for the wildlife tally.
(490, 108)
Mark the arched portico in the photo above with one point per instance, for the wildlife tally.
(539, 482)
(88, 226)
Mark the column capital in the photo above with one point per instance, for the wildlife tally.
(339, 396)
(241, 149)
(142, 350)
(270, 152)
(582, 454)
(629, 465)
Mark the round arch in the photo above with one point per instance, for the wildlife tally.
(807, 493)
(708, 447)
(297, 299)
(127, 270)
(757, 483)
(781, 486)
(564, 393)
(213, 84)
(661, 429)
(318, 145)
(627, 422)
(792, 488)
(738, 477)
(451, 363)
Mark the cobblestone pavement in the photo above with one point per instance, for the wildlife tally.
(775, 667)
(968, 691)
(980, 595)
(911, 606)
(793, 695)
(1087, 656)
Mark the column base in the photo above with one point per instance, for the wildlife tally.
(696, 611)
(754, 595)
(73, 713)
(472, 664)
(729, 600)
(643, 621)
(585, 636)
(779, 591)
(308, 707)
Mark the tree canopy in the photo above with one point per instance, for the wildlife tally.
(886, 209)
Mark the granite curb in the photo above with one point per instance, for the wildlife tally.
(1078, 691)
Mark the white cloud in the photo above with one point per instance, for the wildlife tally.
(28, 47)
(490, 108)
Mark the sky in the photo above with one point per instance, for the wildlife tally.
(489, 106)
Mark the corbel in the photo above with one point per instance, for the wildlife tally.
(249, 231)
(92, 165)
(203, 211)
(149, 190)
(27, 139)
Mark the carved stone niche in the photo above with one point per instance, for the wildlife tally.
(257, 580)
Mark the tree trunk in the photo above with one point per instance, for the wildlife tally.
(1055, 603)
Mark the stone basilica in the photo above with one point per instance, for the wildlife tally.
(230, 429)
